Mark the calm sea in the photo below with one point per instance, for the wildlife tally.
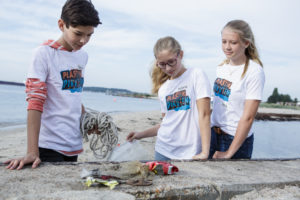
(13, 105)
(272, 139)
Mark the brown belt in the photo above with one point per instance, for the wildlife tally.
(218, 130)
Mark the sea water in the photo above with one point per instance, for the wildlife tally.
(271, 139)
(276, 139)
(13, 104)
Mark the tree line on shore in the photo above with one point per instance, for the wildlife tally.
(276, 97)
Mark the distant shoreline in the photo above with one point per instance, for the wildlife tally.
(264, 113)
(108, 91)
(11, 83)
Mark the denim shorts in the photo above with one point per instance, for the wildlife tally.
(160, 157)
(49, 155)
(221, 142)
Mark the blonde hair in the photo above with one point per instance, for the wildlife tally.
(243, 29)
(158, 77)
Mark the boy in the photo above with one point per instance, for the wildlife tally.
(54, 86)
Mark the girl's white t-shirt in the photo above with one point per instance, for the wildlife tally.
(231, 91)
(179, 135)
(63, 73)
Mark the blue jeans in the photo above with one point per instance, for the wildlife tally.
(221, 142)
(160, 157)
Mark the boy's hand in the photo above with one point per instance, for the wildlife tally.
(19, 163)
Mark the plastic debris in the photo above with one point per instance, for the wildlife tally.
(162, 168)
(130, 151)
(95, 173)
(90, 181)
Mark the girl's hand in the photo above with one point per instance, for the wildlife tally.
(132, 136)
(201, 156)
(19, 163)
(221, 155)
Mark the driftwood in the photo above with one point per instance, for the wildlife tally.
(277, 117)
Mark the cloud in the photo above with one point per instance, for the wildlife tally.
(120, 51)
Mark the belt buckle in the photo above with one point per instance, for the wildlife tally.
(218, 130)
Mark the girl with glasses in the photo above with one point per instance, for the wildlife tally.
(184, 95)
(237, 93)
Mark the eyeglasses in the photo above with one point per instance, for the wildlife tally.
(172, 62)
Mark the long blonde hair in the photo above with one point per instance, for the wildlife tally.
(158, 77)
(243, 29)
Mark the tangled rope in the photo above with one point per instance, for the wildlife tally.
(103, 141)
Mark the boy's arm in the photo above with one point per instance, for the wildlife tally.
(32, 156)
(82, 109)
(33, 130)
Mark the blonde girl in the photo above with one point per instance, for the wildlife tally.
(238, 90)
(184, 96)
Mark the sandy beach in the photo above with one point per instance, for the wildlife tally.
(13, 141)
(13, 144)
(278, 111)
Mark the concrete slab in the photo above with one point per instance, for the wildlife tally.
(195, 180)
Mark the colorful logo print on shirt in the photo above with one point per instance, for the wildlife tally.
(72, 80)
(222, 88)
(178, 101)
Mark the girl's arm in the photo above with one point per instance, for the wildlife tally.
(203, 106)
(244, 125)
(147, 133)
(32, 156)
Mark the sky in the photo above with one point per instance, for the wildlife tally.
(121, 49)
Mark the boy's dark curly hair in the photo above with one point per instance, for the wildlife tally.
(80, 13)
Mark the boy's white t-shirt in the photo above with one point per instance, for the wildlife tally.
(230, 93)
(63, 73)
(179, 135)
